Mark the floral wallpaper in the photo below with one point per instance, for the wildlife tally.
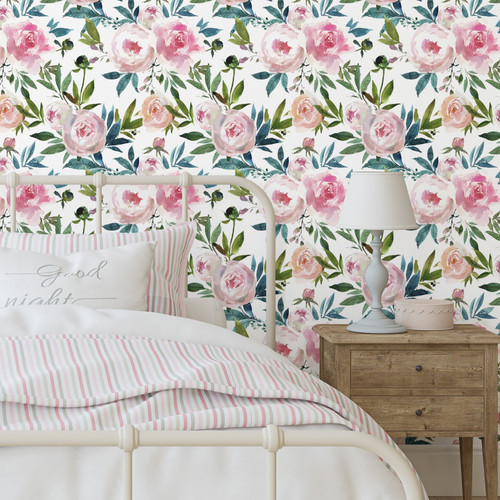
(291, 94)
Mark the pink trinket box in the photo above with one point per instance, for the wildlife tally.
(424, 314)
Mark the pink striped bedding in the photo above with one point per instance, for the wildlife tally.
(67, 382)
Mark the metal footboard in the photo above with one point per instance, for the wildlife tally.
(271, 438)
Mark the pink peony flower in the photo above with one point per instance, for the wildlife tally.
(27, 43)
(355, 265)
(286, 345)
(431, 200)
(496, 114)
(383, 133)
(84, 133)
(10, 117)
(324, 195)
(169, 199)
(458, 294)
(394, 290)
(298, 165)
(476, 195)
(5, 14)
(355, 114)
(131, 51)
(496, 266)
(308, 293)
(447, 15)
(304, 114)
(305, 267)
(476, 44)
(453, 113)
(458, 142)
(234, 284)
(233, 133)
(312, 343)
(326, 44)
(29, 202)
(154, 113)
(6, 165)
(205, 266)
(150, 165)
(131, 205)
(284, 194)
(177, 43)
(448, 166)
(298, 317)
(298, 15)
(430, 51)
(281, 50)
(205, 114)
(454, 266)
(55, 114)
(148, 15)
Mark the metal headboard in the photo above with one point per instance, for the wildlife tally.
(185, 179)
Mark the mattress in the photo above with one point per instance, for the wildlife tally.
(180, 473)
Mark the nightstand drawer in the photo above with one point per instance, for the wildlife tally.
(415, 367)
(425, 414)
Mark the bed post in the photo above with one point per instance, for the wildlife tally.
(99, 181)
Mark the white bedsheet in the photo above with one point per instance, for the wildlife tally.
(177, 473)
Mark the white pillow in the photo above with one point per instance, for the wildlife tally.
(168, 275)
(114, 278)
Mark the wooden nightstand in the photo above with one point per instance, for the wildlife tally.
(422, 383)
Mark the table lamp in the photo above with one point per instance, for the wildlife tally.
(377, 201)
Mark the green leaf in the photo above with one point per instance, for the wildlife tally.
(387, 92)
(193, 136)
(491, 136)
(342, 287)
(43, 136)
(391, 30)
(92, 30)
(238, 241)
(240, 329)
(87, 93)
(388, 241)
(200, 150)
(55, 148)
(241, 30)
(495, 302)
(352, 301)
(238, 91)
(355, 148)
(195, 287)
(491, 287)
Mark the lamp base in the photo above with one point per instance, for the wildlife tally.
(376, 322)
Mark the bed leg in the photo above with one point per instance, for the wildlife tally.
(128, 441)
(272, 441)
(127, 476)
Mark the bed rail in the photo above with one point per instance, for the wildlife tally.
(272, 438)
(185, 179)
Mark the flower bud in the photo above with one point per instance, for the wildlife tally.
(232, 213)
(217, 44)
(308, 293)
(458, 142)
(308, 142)
(232, 62)
(9, 142)
(159, 142)
(67, 44)
(381, 62)
(367, 44)
(82, 62)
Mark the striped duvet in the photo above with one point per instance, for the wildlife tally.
(73, 382)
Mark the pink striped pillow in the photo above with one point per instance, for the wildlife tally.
(167, 277)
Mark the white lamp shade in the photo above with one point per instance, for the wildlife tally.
(377, 200)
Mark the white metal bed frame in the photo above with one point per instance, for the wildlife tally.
(128, 438)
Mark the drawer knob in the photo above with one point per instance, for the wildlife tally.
(418, 413)
(418, 368)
